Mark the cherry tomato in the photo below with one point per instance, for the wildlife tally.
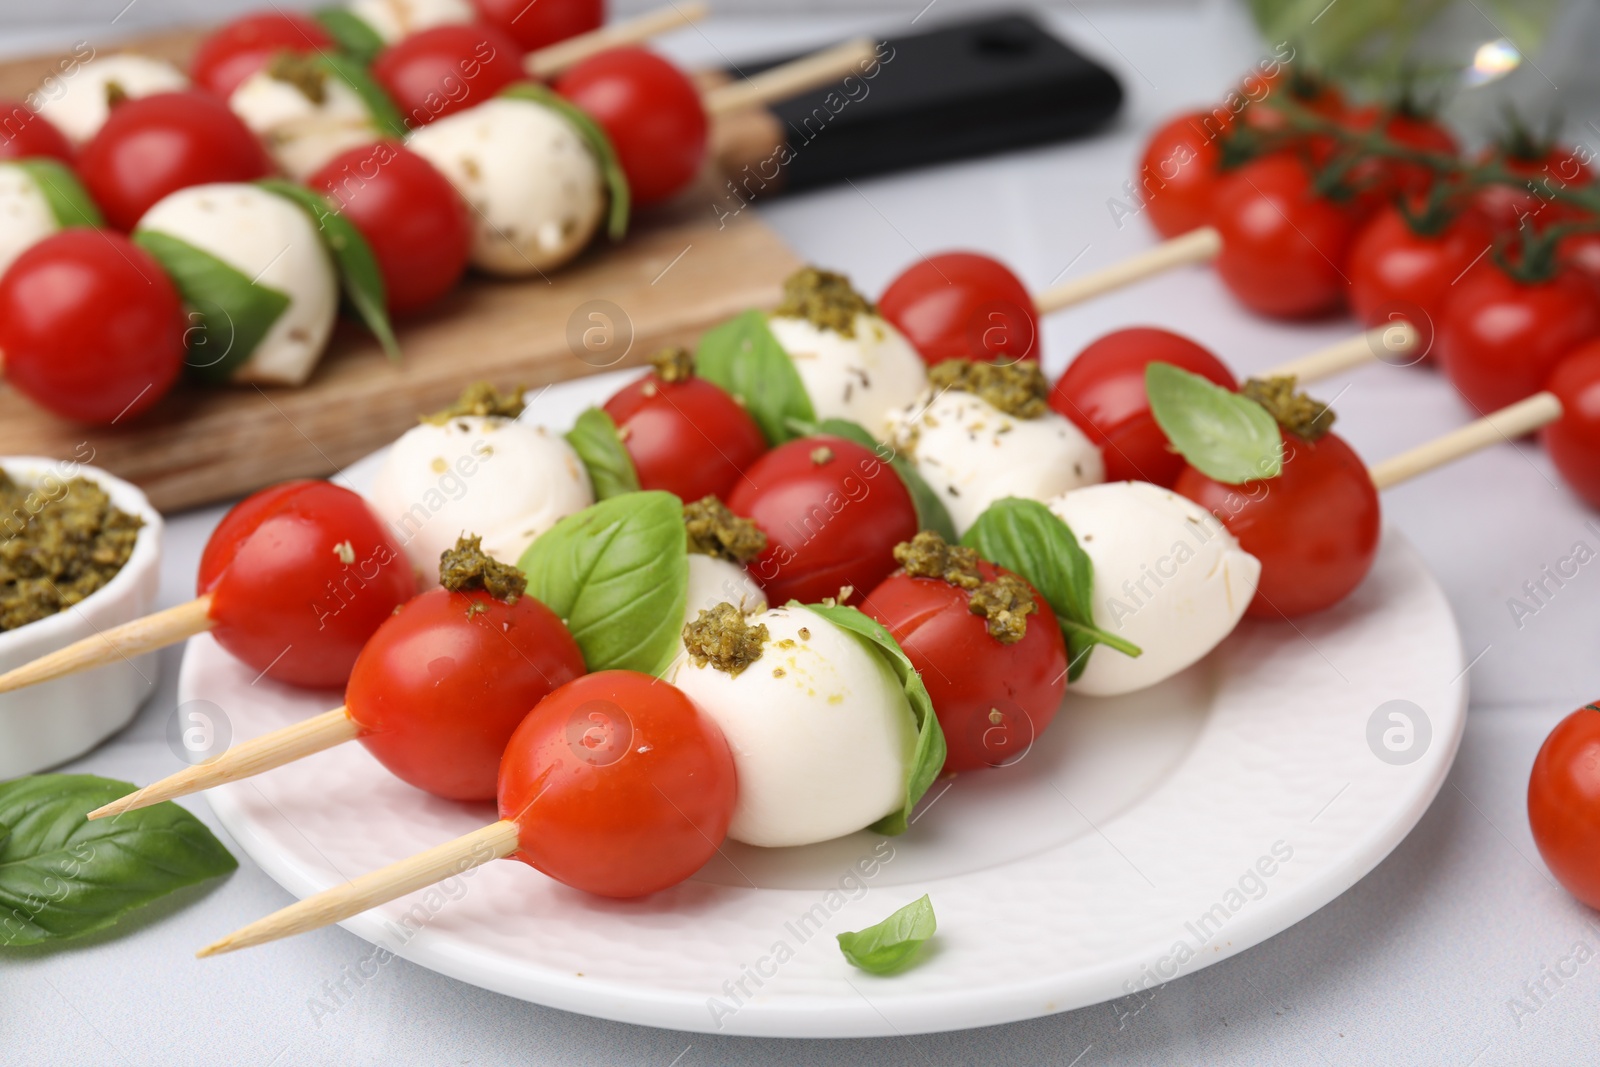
(1564, 803)
(544, 23)
(159, 144)
(1543, 168)
(415, 221)
(962, 305)
(1581, 252)
(1102, 391)
(832, 512)
(993, 700)
(618, 784)
(1180, 171)
(651, 112)
(443, 684)
(1303, 88)
(1501, 339)
(90, 326)
(1283, 246)
(300, 576)
(442, 70)
(688, 437)
(1393, 269)
(1315, 527)
(1377, 180)
(24, 133)
(1573, 440)
(239, 48)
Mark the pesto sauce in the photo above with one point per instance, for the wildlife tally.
(56, 550)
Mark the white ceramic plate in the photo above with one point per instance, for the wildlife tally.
(1143, 837)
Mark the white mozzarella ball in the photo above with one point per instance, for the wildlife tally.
(503, 480)
(821, 732)
(1167, 576)
(301, 133)
(533, 183)
(274, 243)
(972, 454)
(78, 103)
(713, 581)
(25, 214)
(394, 19)
(861, 378)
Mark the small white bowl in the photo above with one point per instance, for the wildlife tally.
(48, 724)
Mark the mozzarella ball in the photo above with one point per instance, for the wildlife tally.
(972, 453)
(273, 242)
(714, 581)
(25, 214)
(533, 183)
(821, 732)
(1167, 576)
(77, 103)
(861, 378)
(301, 133)
(394, 19)
(504, 480)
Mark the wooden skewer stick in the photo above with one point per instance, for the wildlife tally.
(120, 642)
(792, 79)
(1395, 338)
(493, 842)
(547, 62)
(1197, 246)
(1507, 424)
(243, 761)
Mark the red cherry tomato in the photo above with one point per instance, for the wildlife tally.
(544, 23)
(1395, 270)
(1315, 527)
(159, 144)
(688, 437)
(1573, 440)
(300, 576)
(90, 327)
(1564, 803)
(1377, 180)
(1283, 246)
(993, 700)
(442, 70)
(1581, 252)
(1543, 168)
(24, 134)
(1180, 171)
(1306, 90)
(240, 48)
(832, 512)
(1501, 339)
(443, 684)
(415, 221)
(619, 786)
(651, 112)
(1102, 391)
(962, 305)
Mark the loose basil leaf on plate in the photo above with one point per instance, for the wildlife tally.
(931, 512)
(617, 573)
(745, 359)
(610, 167)
(1030, 540)
(928, 757)
(62, 876)
(594, 437)
(359, 275)
(229, 314)
(385, 116)
(888, 946)
(350, 32)
(69, 202)
(1221, 434)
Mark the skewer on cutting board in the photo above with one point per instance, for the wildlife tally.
(791, 79)
(552, 60)
(1507, 424)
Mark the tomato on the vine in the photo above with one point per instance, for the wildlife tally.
(1180, 171)
(963, 305)
(1544, 168)
(240, 48)
(535, 25)
(1564, 803)
(1377, 179)
(1573, 440)
(1394, 269)
(445, 69)
(24, 134)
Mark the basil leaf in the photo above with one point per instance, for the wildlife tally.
(594, 437)
(617, 574)
(69, 202)
(350, 32)
(616, 178)
(359, 275)
(229, 312)
(745, 359)
(1223, 435)
(1031, 541)
(385, 116)
(62, 876)
(890, 945)
(927, 759)
(931, 512)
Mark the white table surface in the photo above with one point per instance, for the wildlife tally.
(1422, 962)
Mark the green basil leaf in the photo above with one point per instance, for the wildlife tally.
(1223, 435)
(616, 178)
(745, 359)
(617, 574)
(931, 512)
(351, 33)
(385, 116)
(69, 202)
(359, 275)
(888, 946)
(62, 876)
(927, 759)
(594, 437)
(230, 313)
(1031, 541)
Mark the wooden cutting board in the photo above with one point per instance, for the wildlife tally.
(680, 271)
